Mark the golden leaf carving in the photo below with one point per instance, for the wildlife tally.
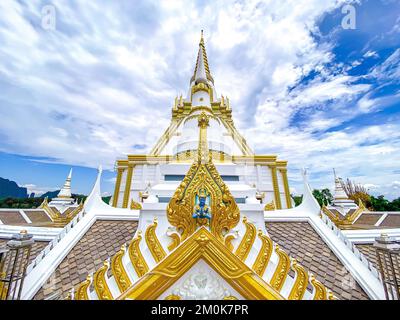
(282, 269)
(153, 243)
(264, 255)
(245, 245)
(176, 240)
(320, 291)
(118, 270)
(301, 282)
(136, 256)
(81, 292)
(100, 283)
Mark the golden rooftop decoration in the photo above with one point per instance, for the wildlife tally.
(136, 256)
(347, 221)
(135, 205)
(100, 283)
(153, 243)
(270, 206)
(300, 285)
(282, 269)
(118, 270)
(202, 244)
(203, 174)
(247, 242)
(261, 262)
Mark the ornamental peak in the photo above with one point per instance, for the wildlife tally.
(202, 70)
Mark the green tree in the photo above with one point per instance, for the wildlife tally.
(324, 196)
(380, 203)
(297, 200)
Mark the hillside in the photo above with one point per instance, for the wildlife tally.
(10, 188)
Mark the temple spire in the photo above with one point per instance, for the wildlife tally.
(65, 191)
(202, 70)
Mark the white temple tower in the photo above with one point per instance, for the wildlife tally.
(154, 177)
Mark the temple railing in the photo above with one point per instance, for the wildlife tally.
(341, 236)
(55, 241)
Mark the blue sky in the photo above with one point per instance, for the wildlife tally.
(101, 84)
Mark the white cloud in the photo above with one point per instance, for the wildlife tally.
(370, 54)
(37, 189)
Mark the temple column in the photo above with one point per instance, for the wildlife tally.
(127, 186)
(275, 185)
(117, 187)
(286, 187)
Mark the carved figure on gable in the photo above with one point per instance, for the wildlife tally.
(202, 212)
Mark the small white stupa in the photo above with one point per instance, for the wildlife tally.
(64, 197)
(341, 201)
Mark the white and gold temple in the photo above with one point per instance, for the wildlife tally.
(202, 217)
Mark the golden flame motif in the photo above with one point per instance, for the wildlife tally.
(138, 262)
(264, 255)
(81, 292)
(300, 284)
(282, 269)
(100, 284)
(153, 243)
(245, 245)
(118, 270)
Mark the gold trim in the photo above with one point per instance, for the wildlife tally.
(206, 246)
(59, 219)
(128, 182)
(118, 270)
(164, 139)
(81, 292)
(117, 187)
(270, 206)
(286, 187)
(247, 242)
(228, 241)
(100, 283)
(348, 220)
(301, 282)
(282, 269)
(153, 243)
(203, 175)
(135, 205)
(136, 256)
(264, 255)
(320, 291)
(176, 240)
(230, 298)
(173, 297)
(275, 185)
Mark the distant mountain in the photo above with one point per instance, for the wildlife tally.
(50, 194)
(11, 189)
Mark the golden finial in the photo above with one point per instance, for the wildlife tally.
(201, 37)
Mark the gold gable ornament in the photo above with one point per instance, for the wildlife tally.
(203, 175)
